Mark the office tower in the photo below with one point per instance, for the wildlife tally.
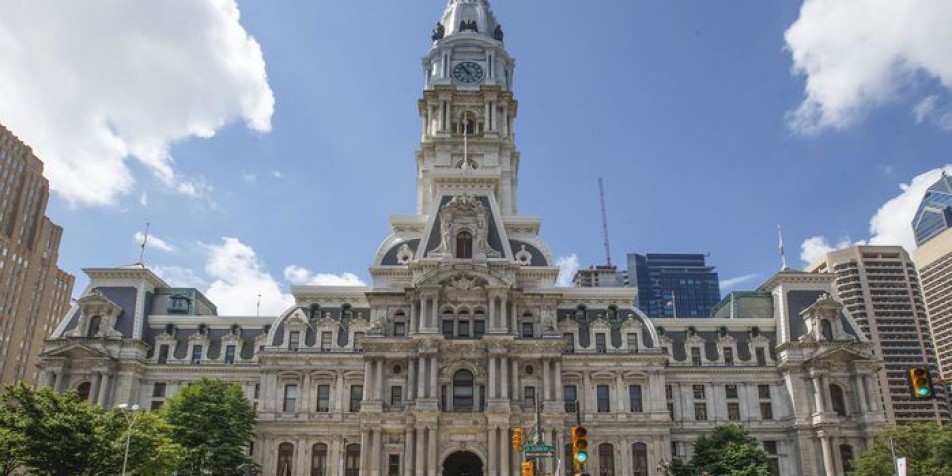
(674, 285)
(880, 289)
(34, 292)
(933, 258)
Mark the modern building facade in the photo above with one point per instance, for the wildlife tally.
(674, 285)
(463, 335)
(880, 288)
(935, 211)
(34, 292)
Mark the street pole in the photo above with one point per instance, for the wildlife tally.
(122, 407)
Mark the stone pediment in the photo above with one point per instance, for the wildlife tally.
(842, 353)
(77, 351)
(466, 277)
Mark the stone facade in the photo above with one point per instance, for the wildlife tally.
(463, 335)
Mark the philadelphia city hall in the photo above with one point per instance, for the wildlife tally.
(463, 335)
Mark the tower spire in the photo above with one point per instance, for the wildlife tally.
(783, 256)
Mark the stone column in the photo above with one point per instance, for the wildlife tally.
(818, 399)
(620, 393)
(492, 378)
(860, 393)
(504, 452)
(381, 392)
(103, 389)
(432, 467)
(504, 365)
(420, 447)
(837, 459)
(829, 467)
(422, 316)
(492, 313)
(435, 315)
(433, 372)
(546, 381)
(411, 380)
(305, 404)
(421, 378)
(339, 392)
(408, 452)
(364, 451)
(515, 381)
(492, 450)
(368, 379)
(94, 387)
(559, 396)
(57, 380)
(585, 391)
(825, 391)
(504, 313)
(873, 399)
(374, 449)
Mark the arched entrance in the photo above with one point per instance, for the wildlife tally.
(462, 463)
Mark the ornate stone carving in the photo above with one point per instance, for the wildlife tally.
(464, 281)
(95, 304)
(404, 254)
(464, 213)
(524, 257)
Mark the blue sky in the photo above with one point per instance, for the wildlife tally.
(686, 109)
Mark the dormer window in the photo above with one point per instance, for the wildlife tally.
(826, 329)
(464, 245)
(94, 324)
(178, 305)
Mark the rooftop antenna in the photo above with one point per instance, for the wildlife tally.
(601, 196)
(783, 256)
(145, 239)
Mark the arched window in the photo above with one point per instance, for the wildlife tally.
(353, 460)
(826, 328)
(463, 391)
(606, 460)
(639, 459)
(95, 323)
(83, 390)
(846, 457)
(319, 460)
(836, 398)
(285, 459)
(464, 245)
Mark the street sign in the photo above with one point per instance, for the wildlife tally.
(539, 450)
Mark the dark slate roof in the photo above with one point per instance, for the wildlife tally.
(797, 301)
(390, 258)
(538, 259)
(492, 237)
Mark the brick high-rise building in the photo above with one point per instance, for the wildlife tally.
(34, 292)
(880, 288)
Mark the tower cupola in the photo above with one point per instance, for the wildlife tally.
(468, 17)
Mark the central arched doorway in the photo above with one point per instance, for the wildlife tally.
(462, 463)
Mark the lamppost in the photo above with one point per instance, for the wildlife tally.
(131, 421)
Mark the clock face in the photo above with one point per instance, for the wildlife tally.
(468, 72)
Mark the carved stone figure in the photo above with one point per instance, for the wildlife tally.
(438, 32)
(497, 33)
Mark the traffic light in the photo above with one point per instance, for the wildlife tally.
(528, 468)
(579, 444)
(517, 438)
(920, 382)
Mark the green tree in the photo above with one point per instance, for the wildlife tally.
(729, 450)
(214, 422)
(152, 451)
(927, 448)
(11, 442)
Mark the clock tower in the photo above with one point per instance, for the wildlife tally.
(467, 111)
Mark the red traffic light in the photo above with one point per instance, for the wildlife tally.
(920, 383)
(580, 432)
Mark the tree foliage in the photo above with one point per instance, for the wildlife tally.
(214, 422)
(729, 450)
(11, 442)
(927, 448)
(60, 434)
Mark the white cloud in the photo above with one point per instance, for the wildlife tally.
(857, 54)
(90, 84)
(239, 277)
(890, 225)
(731, 283)
(277, 175)
(249, 177)
(568, 266)
(179, 277)
(298, 275)
(153, 242)
(925, 108)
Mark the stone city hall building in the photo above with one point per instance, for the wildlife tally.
(463, 334)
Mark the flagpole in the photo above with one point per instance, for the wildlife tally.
(783, 256)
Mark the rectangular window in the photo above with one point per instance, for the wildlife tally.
(600, 343)
(674, 449)
(763, 391)
(257, 390)
(603, 402)
(393, 465)
(730, 391)
(196, 354)
(698, 392)
(324, 398)
(326, 340)
(479, 328)
(464, 328)
(570, 395)
(700, 411)
(230, 354)
(163, 353)
(294, 341)
(671, 411)
(356, 395)
(158, 390)
(290, 397)
(668, 392)
(632, 339)
(156, 405)
(634, 398)
(399, 329)
(770, 447)
(529, 393)
(761, 357)
(766, 411)
(569, 343)
(448, 329)
(527, 330)
(728, 356)
(696, 356)
(733, 411)
(396, 397)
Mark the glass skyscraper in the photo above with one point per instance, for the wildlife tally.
(674, 285)
(935, 212)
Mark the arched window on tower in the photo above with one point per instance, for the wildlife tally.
(826, 328)
(606, 459)
(837, 399)
(95, 323)
(353, 460)
(463, 391)
(285, 459)
(464, 245)
(319, 460)
(639, 459)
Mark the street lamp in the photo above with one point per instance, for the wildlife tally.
(132, 421)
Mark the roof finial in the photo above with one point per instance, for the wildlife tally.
(783, 256)
(145, 239)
